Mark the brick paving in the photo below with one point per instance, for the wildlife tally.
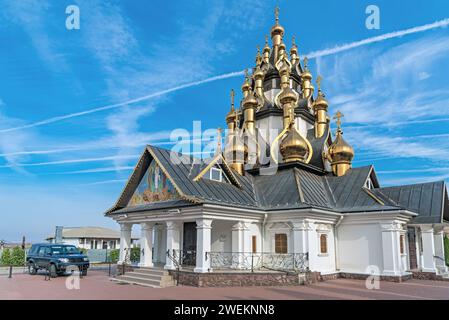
(98, 286)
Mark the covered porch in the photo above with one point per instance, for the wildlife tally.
(212, 244)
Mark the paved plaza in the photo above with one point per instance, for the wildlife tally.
(98, 286)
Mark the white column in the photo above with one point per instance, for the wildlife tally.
(203, 244)
(146, 245)
(125, 241)
(390, 249)
(439, 251)
(428, 249)
(157, 244)
(299, 235)
(240, 243)
(173, 236)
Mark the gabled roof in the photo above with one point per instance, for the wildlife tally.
(88, 232)
(291, 186)
(182, 170)
(351, 195)
(429, 200)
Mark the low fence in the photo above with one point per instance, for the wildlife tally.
(289, 262)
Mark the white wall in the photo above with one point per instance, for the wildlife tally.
(359, 246)
(221, 236)
(322, 262)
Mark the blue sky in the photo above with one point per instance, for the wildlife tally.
(394, 93)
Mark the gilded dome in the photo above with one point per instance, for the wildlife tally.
(294, 147)
(235, 149)
(287, 96)
(230, 117)
(277, 29)
(258, 73)
(340, 151)
(249, 101)
(321, 101)
(306, 75)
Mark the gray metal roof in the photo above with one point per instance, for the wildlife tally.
(426, 199)
(292, 186)
(88, 232)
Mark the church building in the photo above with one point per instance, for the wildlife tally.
(280, 193)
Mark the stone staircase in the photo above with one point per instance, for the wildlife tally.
(149, 277)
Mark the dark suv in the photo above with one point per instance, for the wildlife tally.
(57, 258)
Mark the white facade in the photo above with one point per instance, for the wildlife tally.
(354, 243)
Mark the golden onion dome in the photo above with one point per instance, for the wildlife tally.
(294, 48)
(341, 151)
(287, 96)
(266, 48)
(306, 75)
(294, 147)
(321, 101)
(246, 86)
(277, 29)
(282, 46)
(249, 101)
(230, 117)
(235, 149)
(258, 73)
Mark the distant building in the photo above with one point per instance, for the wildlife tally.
(91, 237)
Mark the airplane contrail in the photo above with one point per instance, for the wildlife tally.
(321, 53)
(121, 104)
(311, 55)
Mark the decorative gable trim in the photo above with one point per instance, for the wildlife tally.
(223, 165)
(164, 170)
(372, 195)
(137, 174)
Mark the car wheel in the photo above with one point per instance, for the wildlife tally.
(53, 272)
(84, 273)
(32, 269)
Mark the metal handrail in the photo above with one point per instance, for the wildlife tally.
(285, 262)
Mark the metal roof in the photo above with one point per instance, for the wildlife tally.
(292, 186)
(88, 232)
(426, 199)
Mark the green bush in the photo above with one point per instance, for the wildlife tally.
(135, 254)
(113, 255)
(5, 259)
(446, 249)
(82, 250)
(17, 257)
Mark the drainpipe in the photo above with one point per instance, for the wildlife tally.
(337, 262)
(263, 231)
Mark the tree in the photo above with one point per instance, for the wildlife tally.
(18, 257)
(6, 257)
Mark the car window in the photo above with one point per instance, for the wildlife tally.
(58, 250)
(43, 251)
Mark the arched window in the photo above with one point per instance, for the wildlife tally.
(280, 243)
(323, 243)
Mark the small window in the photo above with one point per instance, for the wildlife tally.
(216, 174)
(280, 240)
(369, 184)
(401, 243)
(323, 243)
(254, 244)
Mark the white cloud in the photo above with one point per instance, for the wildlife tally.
(423, 75)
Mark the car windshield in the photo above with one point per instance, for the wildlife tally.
(58, 250)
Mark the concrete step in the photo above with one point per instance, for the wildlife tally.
(155, 271)
(149, 276)
(137, 280)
